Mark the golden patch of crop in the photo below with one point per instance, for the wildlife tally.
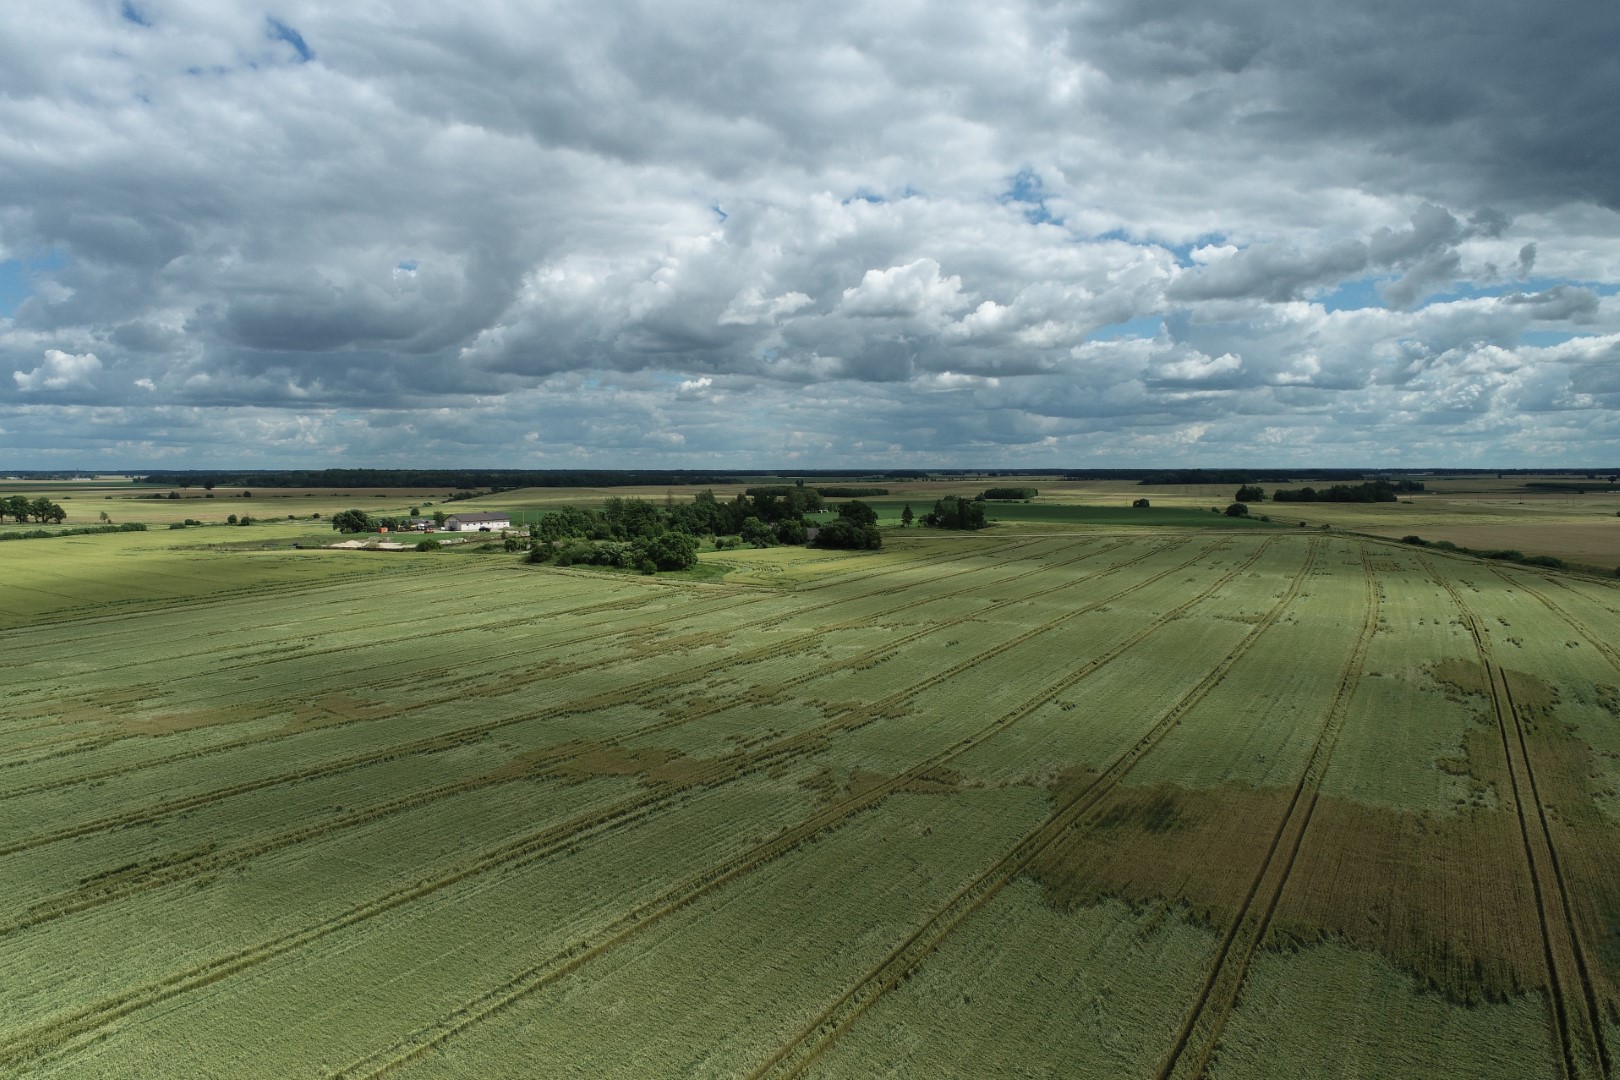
(1444, 899)
(649, 764)
(1447, 899)
(1460, 678)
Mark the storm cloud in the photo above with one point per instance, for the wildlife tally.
(1025, 234)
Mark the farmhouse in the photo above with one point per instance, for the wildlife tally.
(478, 522)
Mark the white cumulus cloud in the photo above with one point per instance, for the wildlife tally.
(60, 371)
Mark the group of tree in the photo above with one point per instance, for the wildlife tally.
(1008, 494)
(22, 509)
(855, 527)
(954, 512)
(1374, 491)
(638, 534)
(649, 554)
(358, 521)
(353, 521)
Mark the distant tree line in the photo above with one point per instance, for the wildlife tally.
(468, 479)
(1579, 489)
(820, 491)
(1217, 476)
(852, 492)
(81, 530)
(1375, 492)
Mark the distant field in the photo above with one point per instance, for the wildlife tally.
(1050, 513)
(1479, 512)
(1109, 802)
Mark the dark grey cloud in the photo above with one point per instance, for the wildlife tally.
(1489, 102)
(1275, 271)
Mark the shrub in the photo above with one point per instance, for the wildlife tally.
(1238, 509)
(1551, 562)
(434, 545)
(1417, 540)
(666, 551)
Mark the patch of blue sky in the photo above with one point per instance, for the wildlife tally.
(865, 195)
(1026, 189)
(1353, 295)
(719, 214)
(1545, 339)
(130, 13)
(280, 31)
(407, 265)
(17, 279)
(1143, 327)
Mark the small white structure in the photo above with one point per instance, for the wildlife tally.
(478, 522)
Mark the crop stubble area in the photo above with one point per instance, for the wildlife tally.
(1106, 803)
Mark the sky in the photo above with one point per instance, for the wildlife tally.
(1107, 233)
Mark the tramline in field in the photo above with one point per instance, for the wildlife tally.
(1159, 802)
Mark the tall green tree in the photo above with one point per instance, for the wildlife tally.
(351, 521)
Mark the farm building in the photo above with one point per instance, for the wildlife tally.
(478, 522)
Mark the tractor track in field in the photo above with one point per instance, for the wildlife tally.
(571, 959)
(132, 606)
(653, 592)
(271, 654)
(57, 1035)
(657, 689)
(1580, 1025)
(197, 862)
(1607, 651)
(502, 687)
(801, 1051)
(1204, 1023)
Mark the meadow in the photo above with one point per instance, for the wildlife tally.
(1069, 796)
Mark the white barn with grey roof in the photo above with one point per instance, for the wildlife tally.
(478, 522)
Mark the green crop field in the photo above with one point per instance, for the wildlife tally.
(1093, 801)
